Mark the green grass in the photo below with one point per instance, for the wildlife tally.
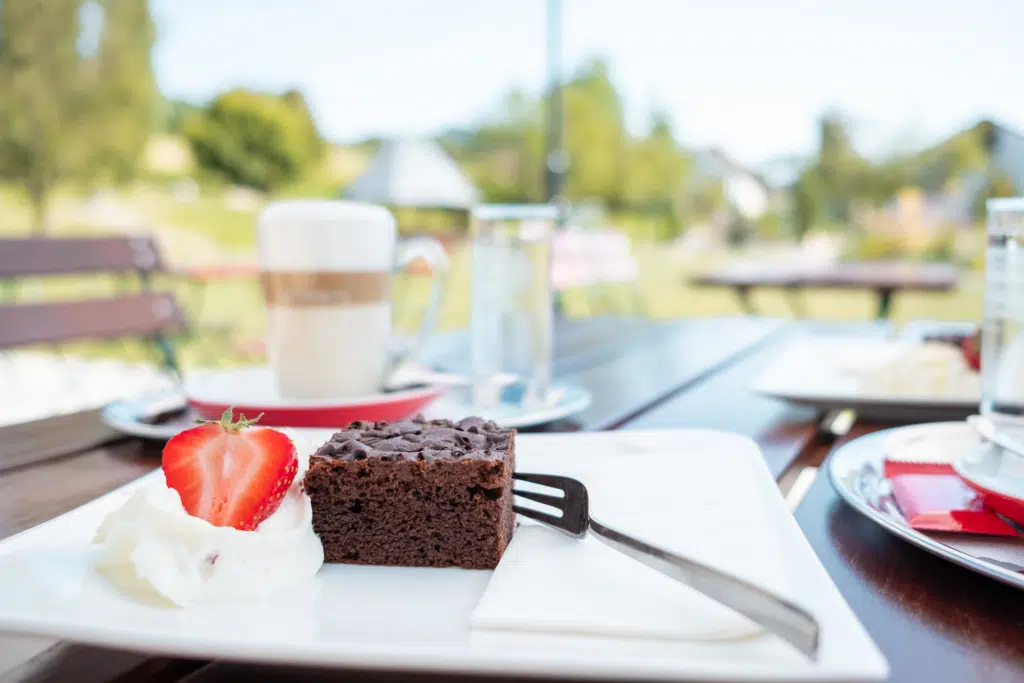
(225, 316)
(234, 230)
(232, 311)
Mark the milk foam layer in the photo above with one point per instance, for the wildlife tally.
(326, 236)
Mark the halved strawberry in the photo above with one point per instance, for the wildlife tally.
(230, 473)
(971, 350)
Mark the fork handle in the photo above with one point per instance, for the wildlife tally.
(785, 619)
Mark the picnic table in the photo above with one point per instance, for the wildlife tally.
(934, 621)
(884, 279)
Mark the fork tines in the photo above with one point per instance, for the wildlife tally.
(552, 480)
(571, 504)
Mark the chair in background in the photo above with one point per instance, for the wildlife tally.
(602, 263)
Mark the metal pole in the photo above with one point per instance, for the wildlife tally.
(556, 160)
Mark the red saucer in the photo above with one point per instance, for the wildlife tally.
(252, 391)
(998, 477)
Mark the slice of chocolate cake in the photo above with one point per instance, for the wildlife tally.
(414, 493)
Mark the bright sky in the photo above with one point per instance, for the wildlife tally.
(750, 76)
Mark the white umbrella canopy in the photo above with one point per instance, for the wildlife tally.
(413, 173)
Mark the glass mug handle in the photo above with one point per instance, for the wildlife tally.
(431, 251)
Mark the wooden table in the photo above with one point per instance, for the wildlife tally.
(935, 622)
(883, 278)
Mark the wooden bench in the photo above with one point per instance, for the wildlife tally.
(146, 314)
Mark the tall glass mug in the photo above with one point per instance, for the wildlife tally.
(511, 313)
(326, 269)
(1002, 352)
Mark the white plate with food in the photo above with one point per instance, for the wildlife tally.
(901, 380)
(165, 579)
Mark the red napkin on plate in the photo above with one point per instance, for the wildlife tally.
(910, 460)
(895, 468)
(928, 448)
(943, 502)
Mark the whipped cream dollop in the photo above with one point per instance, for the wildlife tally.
(155, 551)
(928, 369)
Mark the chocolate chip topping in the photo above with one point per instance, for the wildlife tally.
(417, 439)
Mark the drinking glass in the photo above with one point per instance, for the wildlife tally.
(511, 326)
(1002, 345)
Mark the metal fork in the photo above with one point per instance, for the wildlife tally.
(782, 617)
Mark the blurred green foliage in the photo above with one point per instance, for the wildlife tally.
(837, 179)
(254, 139)
(874, 246)
(650, 176)
(940, 247)
(77, 93)
(831, 182)
(172, 115)
(773, 226)
(997, 184)
(78, 105)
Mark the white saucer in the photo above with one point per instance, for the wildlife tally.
(161, 416)
(997, 475)
(566, 401)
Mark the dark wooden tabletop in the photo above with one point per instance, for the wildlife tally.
(934, 621)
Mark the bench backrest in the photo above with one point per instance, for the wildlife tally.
(41, 256)
(134, 315)
(145, 314)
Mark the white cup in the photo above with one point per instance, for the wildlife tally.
(326, 269)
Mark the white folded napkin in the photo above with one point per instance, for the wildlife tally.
(710, 507)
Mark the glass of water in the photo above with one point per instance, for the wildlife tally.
(511, 326)
(1002, 344)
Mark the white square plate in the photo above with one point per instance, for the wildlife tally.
(819, 372)
(419, 619)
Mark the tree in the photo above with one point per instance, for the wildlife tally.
(841, 172)
(504, 154)
(655, 168)
(595, 137)
(39, 79)
(122, 104)
(313, 142)
(655, 177)
(967, 152)
(835, 179)
(997, 184)
(77, 91)
(174, 114)
(254, 139)
(808, 202)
